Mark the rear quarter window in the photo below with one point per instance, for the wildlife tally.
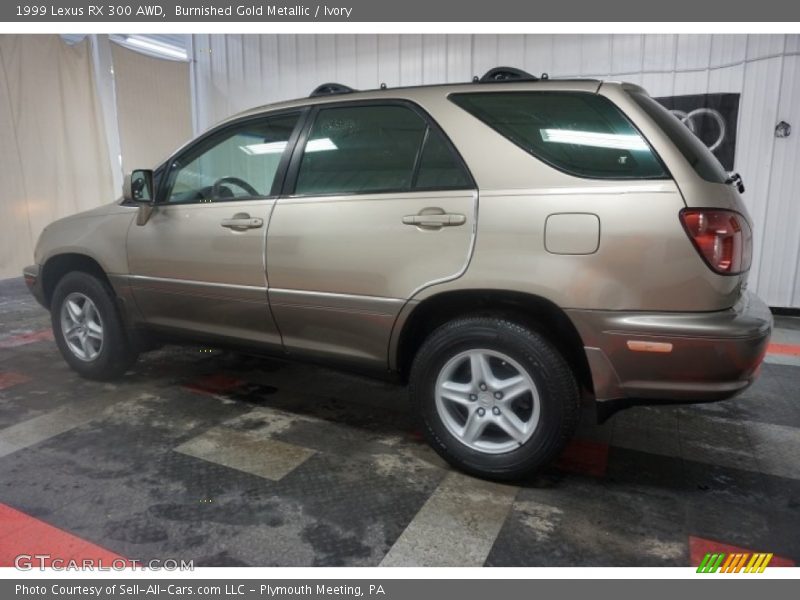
(580, 133)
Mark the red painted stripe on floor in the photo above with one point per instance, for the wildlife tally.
(26, 338)
(11, 378)
(218, 383)
(585, 457)
(10, 520)
(699, 547)
(787, 349)
(22, 534)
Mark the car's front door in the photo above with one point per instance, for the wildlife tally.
(379, 205)
(197, 264)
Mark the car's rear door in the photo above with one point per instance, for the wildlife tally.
(378, 205)
(197, 264)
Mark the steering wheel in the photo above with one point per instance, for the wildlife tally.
(216, 188)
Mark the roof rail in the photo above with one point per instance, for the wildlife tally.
(501, 74)
(327, 89)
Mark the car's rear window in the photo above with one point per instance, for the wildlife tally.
(580, 133)
(705, 164)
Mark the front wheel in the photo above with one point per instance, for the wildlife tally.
(88, 329)
(496, 399)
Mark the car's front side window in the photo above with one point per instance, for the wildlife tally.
(237, 164)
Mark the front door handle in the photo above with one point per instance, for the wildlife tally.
(242, 221)
(435, 220)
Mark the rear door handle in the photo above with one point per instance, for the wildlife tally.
(435, 220)
(242, 221)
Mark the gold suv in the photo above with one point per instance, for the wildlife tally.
(506, 247)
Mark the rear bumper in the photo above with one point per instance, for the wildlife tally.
(33, 280)
(675, 356)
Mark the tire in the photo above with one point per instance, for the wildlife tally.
(448, 398)
(102, 359)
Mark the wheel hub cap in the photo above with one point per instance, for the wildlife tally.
(485, 399)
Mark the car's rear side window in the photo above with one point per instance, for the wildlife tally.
(705, 164)
(360, 149)
(580, 133)
(376, 149)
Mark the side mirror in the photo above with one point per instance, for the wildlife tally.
(138, 187)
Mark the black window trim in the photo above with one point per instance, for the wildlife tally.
(418, 158)
(290, 181)
(171, 166)
(667, 175)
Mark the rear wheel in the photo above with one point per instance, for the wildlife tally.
(88, 329)
(496, 399)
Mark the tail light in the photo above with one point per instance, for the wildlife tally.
(722, 237)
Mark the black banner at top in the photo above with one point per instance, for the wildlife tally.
(400, 11)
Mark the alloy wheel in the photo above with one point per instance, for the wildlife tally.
(487, 401)
(82, 326)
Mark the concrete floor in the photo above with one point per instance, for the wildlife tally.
(230, 460)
